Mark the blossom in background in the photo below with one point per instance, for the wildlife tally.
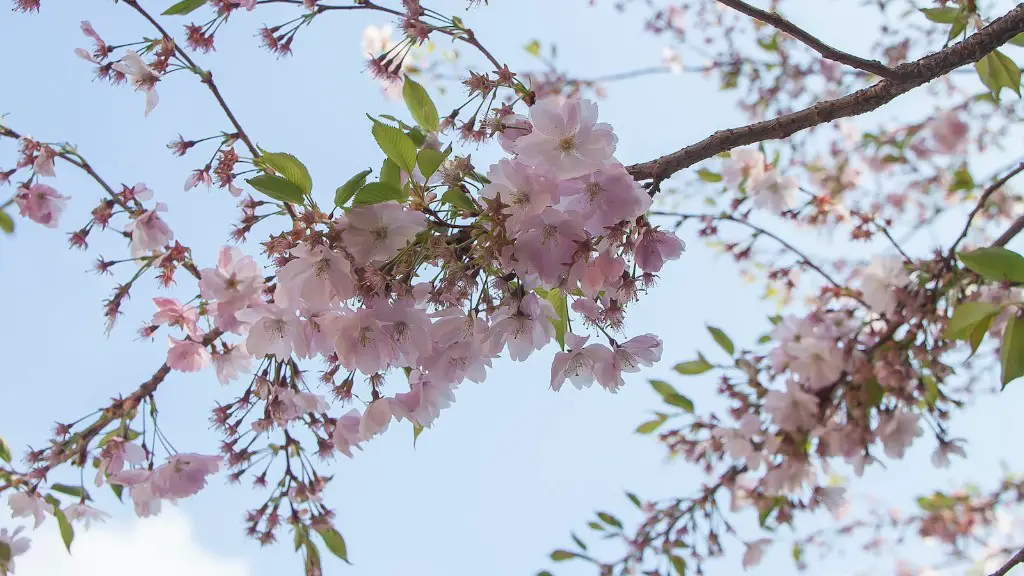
(879, 281)
(672, 60)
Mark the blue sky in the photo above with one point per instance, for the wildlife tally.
(512, 467)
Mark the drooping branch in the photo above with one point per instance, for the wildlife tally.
(912, 75)
(829, 53)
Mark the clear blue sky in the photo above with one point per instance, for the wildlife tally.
(511, 467)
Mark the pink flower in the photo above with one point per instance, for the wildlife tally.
(24, 505)
(85, 514)
(288, 405)
(231, 363)
(425, 399)
(950, 133)
(603, 273)
(273, 333)
(198, 177)
(897, 431)
(940, 457)
(116, 452)
(513, 126)
(16, 545)
(605, 197)
(101, 47)
(744, 163)
(187, 355)
(880, 279)
(43, 164)
(247, 4)
(235, 284)
(138, 192)
(629, 356)
(775, 192)
(40, 203)
(346, 432)
(655, 247)
(142, 489)
(149, 232)
(183, 475)
(523, 191)
(142, 77)
(316, 334)
(408, 328)
(462, 348)
(317, 276)
(818, 361)
(566, 137)
(548, 244)
(362, 344)
(171, 312)
(578, 363)
(524, 328)
(377, 232)
(793, 409)
(752, 555)
(377, 418)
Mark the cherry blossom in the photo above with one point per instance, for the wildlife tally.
(880, 279)
(18, 545)
(24, 504)
(744, 164)
(377, 232)
(897, 431)
(794, 409)
(755, 550)
(775, 192)
(273, 333)
(524, 327)
(316, 276)
(40, 203)
(628, 357)
(187, 355)
(578, 363)
(142, 77)
(115, 454)
(85, 514)
(605, 197)
(149, 232)
(566, 137)
(170, 311)
(523, 191)
(183, 475)
(655, 248)
(346, 432)
(425, 399)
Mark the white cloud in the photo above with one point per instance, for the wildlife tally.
(160, 546)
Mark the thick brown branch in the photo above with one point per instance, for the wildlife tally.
(829, 53)
(1011, 232)
(1010, 564)
(912, 75)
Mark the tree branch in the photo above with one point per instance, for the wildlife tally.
(981, 205)
(1010, 564)
(829, 53)
(1010, 233)
(912, 75)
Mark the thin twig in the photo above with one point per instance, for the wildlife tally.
(995, 186)
(1010, 564)
(912, 75)
(1010, 233)
(829, 53)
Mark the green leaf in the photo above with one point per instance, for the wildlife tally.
(762, 516)
(396, 145)
(595, 526)
(545, 573)
(391, 173)
(557, 300)
(671, 396)
(962, 180)
(979, 332)
(995, 264)
(1012, 353)
(417, 136)
(67, 533)
(416, 431)
(346, 191)
(5, 554)
(722, 340)
(678, 564)
(6, 222)
(459, 199)
(966, 316)
(429, 161)
(609, 519)
(313, 565)
(533, 48)
(563, 555)
(277, 188)
(5, 451)
(693, 367)
(709, 176)
(118, 490)
(946, 15)
(335, 543)
(290, 168)
(1018, 40)
(578, 541)
(632, 498)
(377, 192)
(76, 491)
(997, 71)
(420, 105)
(651, 425)
(183, 7)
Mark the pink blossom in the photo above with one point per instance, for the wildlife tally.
(362, 344)
(578, 363)
(603, 273)
(376, 418)
(513, 126)
(171, 312)
(818, 361)
(524, 191)
(787, 477)
(940, 457)
(605, 197)
(629, 356)
(377, 232)
(183, 475)
(142, 76)
(231, 363)
(290, 405)
(235, 284)
(116, 452)
(247, 4)
(316, 333)
(24, 505)
(793, 409)
(138, 192)
(950, 132)
(198, 177)
(149, 232)
(588, 308)
(317, 276)
(755, 550)
(566, 137)
(43, 164)
(140, 485)
(101, 47)
(524, 327)
(655, 247)
(273, 333)
(880, 279)
(897, 431)
(16, 545)
(40, 203)
(187, 355)
(548, 244)
(408, 328)
(775, 192)
(425, 399)
(85, 514)
(462, 348)
(744, 163)
(346, 432)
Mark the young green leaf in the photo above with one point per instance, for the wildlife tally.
(118, 491)
(183, 7)
(420, 105)
(966, 316)
(979, 333)
(335, 543)
(459, 199)
(693, 367)
(5, 554)
(557, 300)
(1012, 350)
(312, 558)
(429, 161)
(997, 71)
(277, 188)
(390, 173)
(609, 519)
(396, 145)
(651, 425)
(416, 431)
(377, 192)
(76, 491)
(290, 168)
(632, 498)
(67, 533)
(722, 340)
(678, 564)
(6, 222)
(995, 264)
(346, 191)
(578, 542)
(563, 555)
(945, 15)
(1018, 40)
(709, 176)
(5, 451)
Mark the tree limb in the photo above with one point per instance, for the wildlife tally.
(829, 53)
(912, 75)
(1010, 564)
